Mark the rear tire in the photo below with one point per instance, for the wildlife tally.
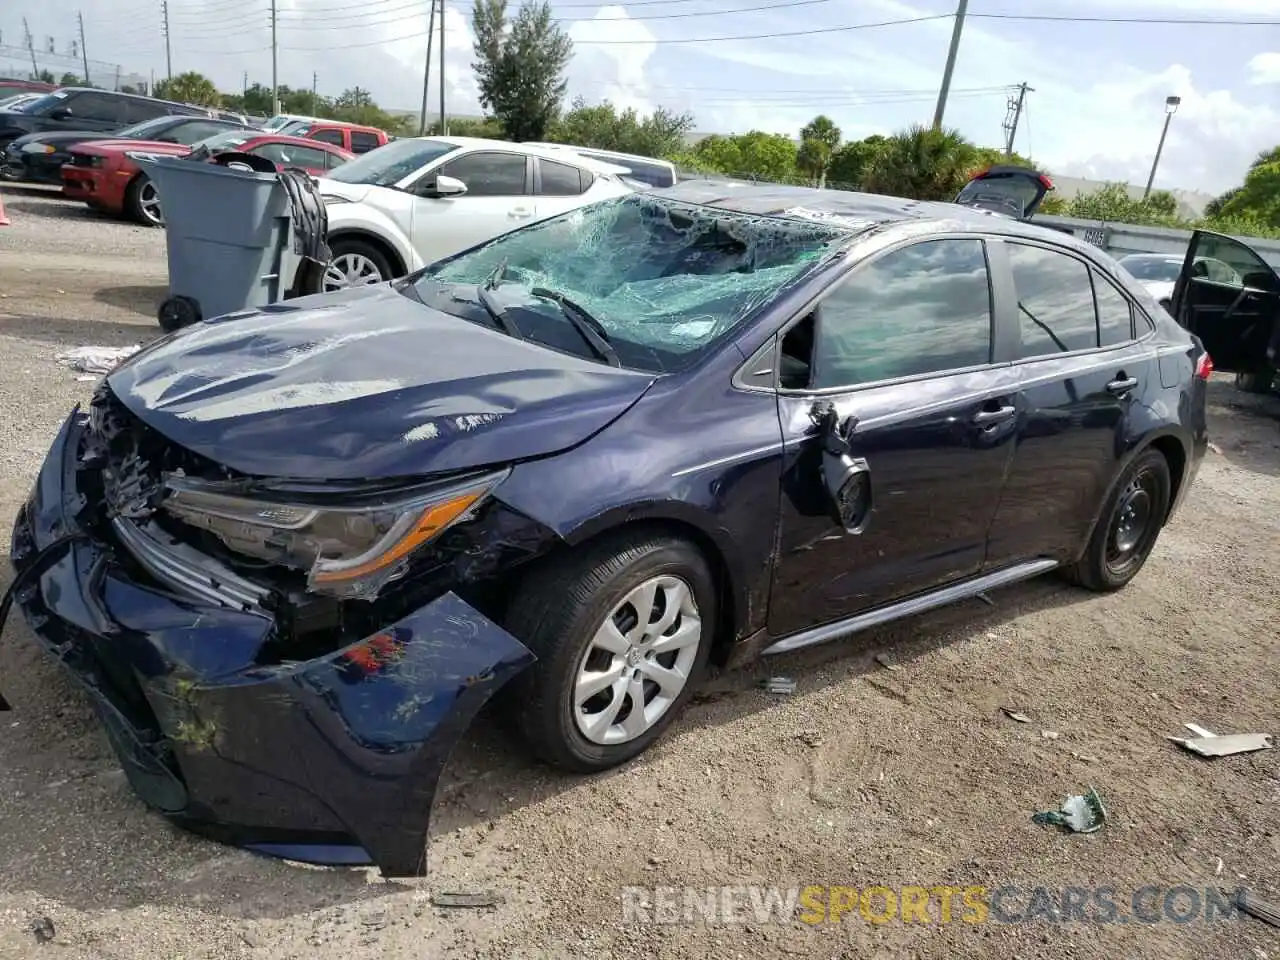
(1128, 527)
(580, 615)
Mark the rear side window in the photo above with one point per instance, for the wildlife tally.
(1115, 314)
(140, 110)
(923, 309)
(362, 142)
(1055, 301)
(327, 136)
(560, 179)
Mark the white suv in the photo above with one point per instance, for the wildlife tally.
(415, 201)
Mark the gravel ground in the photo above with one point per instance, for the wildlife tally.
(866, 776)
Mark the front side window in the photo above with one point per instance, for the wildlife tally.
(1055, 301)
(489, 174)
(393, 163)
(922, 309)
(99, 107)
(196, 130)
(666, 281)
(1223, 260)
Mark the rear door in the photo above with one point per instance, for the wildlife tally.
(498, 199)
(362, 141)
(333, 135)
(1085, 358)
(1229, 297)
(904, 344)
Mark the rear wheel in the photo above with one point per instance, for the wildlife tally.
(622, 633)
(1129, 525)
(142, 202)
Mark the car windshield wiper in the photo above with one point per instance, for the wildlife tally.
(586, 325)
(484, 294)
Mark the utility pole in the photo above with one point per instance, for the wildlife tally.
(314, 81)
(426, 70)
(84, 54)
(951, 64)
(275, 87)
(31, 47)
(168, 53)
(444, 121)
(1011, 124)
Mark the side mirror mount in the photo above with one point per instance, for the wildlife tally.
(443, 187)
(846, 478)
(60, 113)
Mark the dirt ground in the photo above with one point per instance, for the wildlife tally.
(865, 776)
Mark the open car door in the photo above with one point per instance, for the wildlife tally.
(1229, 297)
(1014, 191)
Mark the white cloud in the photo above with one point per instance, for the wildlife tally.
(1264, 69)
(616, 72)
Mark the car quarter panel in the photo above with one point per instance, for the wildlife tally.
(693, 451)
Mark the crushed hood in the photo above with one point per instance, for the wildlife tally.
(366, 384)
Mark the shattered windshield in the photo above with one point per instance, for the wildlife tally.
(664, 280)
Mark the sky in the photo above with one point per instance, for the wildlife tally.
(1096, 108)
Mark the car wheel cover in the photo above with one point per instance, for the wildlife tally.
(638, 662)
(351, 270)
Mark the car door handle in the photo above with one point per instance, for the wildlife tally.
(985, 418)
(519, 213)
(1122, 386)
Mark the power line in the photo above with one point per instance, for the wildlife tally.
(1189, 21)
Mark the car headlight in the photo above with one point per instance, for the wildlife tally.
(348, 550)
(39, 148)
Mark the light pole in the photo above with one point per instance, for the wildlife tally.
(1170, 108)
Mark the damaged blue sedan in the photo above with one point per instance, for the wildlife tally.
(291, 552)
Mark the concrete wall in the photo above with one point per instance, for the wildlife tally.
(1120, 239)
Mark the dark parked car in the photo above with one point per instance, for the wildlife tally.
(88, 110)
(292, 551)
(1011, 190)
(39, 157)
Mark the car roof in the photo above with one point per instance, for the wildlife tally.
(574, 148)
(290, 140)
(534, 150)
(856, 211)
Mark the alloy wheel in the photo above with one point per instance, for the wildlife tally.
(351, 270)
(638, 662)
(149, 204)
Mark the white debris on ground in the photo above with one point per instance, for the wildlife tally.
(101, 360)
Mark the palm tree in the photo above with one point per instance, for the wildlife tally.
(819, 139)
(922, 163)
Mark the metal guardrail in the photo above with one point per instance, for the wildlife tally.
(1120, 239)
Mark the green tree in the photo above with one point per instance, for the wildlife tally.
(660, 134)
(356, 105)
(488, 128)
(256, 99)
(189, 87)
(520, 66)
(44, 76)
(70, 79)
(923, 164)
(849, 164)
(755, 155)
(1258, 198)
(819, 140)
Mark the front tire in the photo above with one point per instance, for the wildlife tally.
(622, 633)
(1129, 526)
(355, 263)
(142, 202)
(1259, 382)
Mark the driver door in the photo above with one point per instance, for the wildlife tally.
(499, 198)
(1229, 297)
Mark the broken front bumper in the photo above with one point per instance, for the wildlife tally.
(332, 761)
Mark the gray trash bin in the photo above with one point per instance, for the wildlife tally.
(228, 238)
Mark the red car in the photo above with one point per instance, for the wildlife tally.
(102, 175)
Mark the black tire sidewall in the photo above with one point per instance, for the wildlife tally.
(1147, 460)
(560, 670)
